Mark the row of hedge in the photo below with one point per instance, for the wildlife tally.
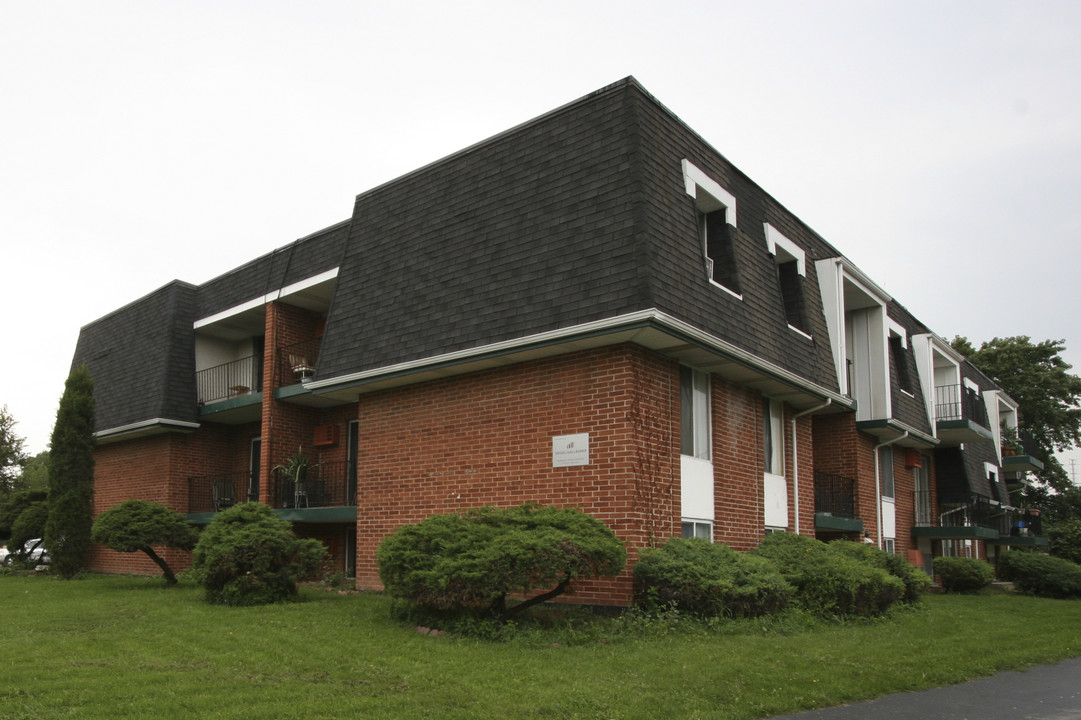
(837, 579)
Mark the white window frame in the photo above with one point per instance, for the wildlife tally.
(696, 525)
(709, 196)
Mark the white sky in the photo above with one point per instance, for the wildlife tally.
(936, 144)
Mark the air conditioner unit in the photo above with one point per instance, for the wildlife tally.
(325, 435)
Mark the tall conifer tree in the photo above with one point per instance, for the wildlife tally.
(71, 476)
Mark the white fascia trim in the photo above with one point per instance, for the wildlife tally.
(897, 329)
(268, 298)
(693, 178)
(143, 425)
(775, 238)
(971, 385)
(612, 324)
(866, 284)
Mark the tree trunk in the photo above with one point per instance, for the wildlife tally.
(559, 589)
(167, 572)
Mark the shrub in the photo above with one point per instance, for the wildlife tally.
(915, 580)
(963, 575)
(30, 524)
(137, 525)
(1038, 574)
(1065, 540)
(830, 583)
(247, 556)
(708, 579)
(469, 563)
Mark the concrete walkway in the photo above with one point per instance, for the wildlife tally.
(1044, 692)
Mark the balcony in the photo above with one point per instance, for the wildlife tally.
(328, 485)
(961, 415)
(835, 503)
(214, 493)
(1020, 528)
(230, 380)
(975, 519)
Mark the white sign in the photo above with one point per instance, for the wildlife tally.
(570, 450)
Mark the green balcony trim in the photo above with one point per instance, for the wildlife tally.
(959, 532)
(825, 521)
(231, 404)
(339, 514)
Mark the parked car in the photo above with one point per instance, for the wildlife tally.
(34, 549)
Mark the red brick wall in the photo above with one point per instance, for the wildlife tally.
(486, 439)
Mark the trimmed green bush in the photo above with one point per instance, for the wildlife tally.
(963, 575)
(1034, 573)
(915, 580)
(248, 556)
(468, 563)
(28, 525)
(138, 525)
(708, 579)
(829, 583)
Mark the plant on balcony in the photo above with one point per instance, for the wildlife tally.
(295, 468)
(137, 525)
(1011, 443)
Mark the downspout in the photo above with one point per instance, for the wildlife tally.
(878, 485)
(795, 454)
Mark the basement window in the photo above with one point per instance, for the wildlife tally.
(791, 263)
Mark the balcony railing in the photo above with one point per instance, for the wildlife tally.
(1018, 523)
(977, 512)
(214, 493)
(835, 495)
(297, 362)
(327, 484)
(921, 507)
(232, 379)
(956, 402)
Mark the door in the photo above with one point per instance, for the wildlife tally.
(253, 469)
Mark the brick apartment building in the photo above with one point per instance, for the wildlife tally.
(592, 309)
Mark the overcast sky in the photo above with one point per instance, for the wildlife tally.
(936, 144)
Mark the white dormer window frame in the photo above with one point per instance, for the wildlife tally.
(785, 250)
(695, 181)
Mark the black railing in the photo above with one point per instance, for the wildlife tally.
(1018, 523)
(297, 362)
(957, 402)
(921, 508)
(239, 377)
(835, 495)
(214, 493)
(326, 484)
(976, 512)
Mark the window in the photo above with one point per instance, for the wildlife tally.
(716, 209)
(898, 346)
(718, 243)
(773, 436)
(697, 529)
(889, 545)
(694, 413)
(771, 530)
(791, 272)
(885, 471)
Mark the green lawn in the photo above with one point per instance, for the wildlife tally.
(109, 647)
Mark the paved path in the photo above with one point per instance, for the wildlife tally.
(1044, 692)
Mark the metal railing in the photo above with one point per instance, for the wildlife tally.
(921, 508)
(835, 495)
(231, 379)
(297, 362)
(976, 512)
(327, 484)
(214, 493)
(956, 402)
(1013, 522)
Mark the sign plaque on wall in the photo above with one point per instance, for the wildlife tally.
(570, 450)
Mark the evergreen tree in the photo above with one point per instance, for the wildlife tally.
(12, 456)
(71, 476)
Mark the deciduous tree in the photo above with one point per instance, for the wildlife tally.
(71, 476)
(12, 456)
(1049, 395)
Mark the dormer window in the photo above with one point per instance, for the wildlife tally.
(716, 208)
(791, 263)
(898, 342)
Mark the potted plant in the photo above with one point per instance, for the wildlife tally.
(1011, 444)
(295, 471)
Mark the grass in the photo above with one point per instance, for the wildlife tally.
(116, 647)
